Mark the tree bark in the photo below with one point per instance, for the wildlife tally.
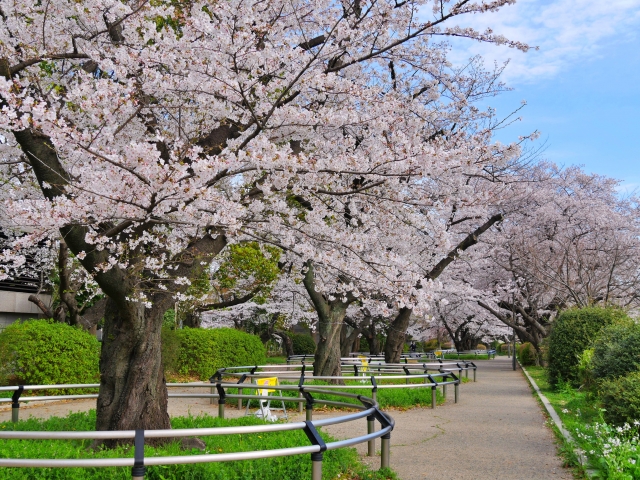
(331, 315)
(396, 336)
(347, 343)
(133, 392)
(286, 342)
(327, 358)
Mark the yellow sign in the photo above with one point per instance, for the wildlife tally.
(365, 364)
(267, 382)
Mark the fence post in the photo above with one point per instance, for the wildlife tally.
(456, 389)
(15, 404)
(240, 390)
(300, 385)
(433, 396)
(316, 457)
(316, 466)
(309, 407)
(221, 400)
(371, 428)
(138, 470)
(386, 450)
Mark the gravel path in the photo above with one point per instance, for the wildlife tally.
(496, 430)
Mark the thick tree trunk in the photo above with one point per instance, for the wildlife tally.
(133, 391)
(396, 336)
(331, 315)
(372, 338)
(348, 340)
(286, 342)
(327, 358)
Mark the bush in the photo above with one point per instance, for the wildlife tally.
(505, 347)
(431, 344)
(573, 332)
(203, 351)
(170, 349)
(481, 346)
(585, 369)
(620, 399)
(616, 352)
(303, 344)
(44, 352)
(527, 354)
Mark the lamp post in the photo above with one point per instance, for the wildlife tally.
(513, 319)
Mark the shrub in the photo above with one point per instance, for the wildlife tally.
(481, 346)
(616, 352)
(44, 352)
(574, 331)
(203, 351)
(303, 344)
(505, 347)
(447, 345)
(170, 349)
(431, 344)
(585, 368)
(527, 354)
(620, 399)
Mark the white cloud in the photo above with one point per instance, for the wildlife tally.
(566, 31)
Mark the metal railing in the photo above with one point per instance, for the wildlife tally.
(371, 366)
(368, 407)
(440, 378)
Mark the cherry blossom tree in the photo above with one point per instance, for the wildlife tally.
(571, 241)
(149, 135)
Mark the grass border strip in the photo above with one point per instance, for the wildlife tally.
(559, 425)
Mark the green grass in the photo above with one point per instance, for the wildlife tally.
(454, 356)
(342, 463)
(387, 397)
(613, 453)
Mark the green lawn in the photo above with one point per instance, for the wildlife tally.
(336, 463)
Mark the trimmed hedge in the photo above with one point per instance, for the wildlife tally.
(616, 352)
(574, 331)
(620, 399)
(203, 351)
(44, 352)
(302, 344)
(527, 354)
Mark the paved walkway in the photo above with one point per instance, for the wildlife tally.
(496, 430)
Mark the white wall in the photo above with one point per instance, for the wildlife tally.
(14, 305)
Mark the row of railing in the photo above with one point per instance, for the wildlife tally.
(374, 375)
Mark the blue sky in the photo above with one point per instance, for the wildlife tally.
(582, 86)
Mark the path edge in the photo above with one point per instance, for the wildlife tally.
(559, 425)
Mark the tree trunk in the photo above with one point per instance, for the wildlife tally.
(347, 343)
(192, 320)
(327, 358)
(331, 315)
(286, 342)
(133, 391)
(396, 336)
